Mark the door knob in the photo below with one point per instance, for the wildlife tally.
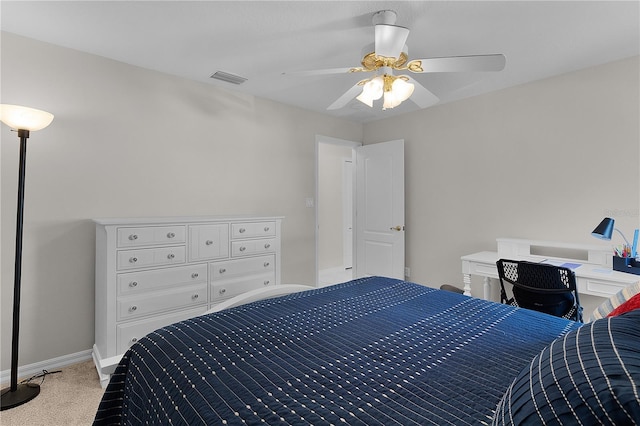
(397, 228)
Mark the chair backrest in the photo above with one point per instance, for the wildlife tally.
(541, 287)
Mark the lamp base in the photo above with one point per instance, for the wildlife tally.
(24, 393)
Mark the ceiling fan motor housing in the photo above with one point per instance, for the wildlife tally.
(385, 17)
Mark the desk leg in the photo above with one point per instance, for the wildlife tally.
(487, 288)
(466, 278)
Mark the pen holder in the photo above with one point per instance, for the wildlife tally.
(626, 264)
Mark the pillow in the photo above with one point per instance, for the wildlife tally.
(629, 305)
(614, 301)
(591, 374)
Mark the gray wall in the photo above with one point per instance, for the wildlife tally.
(130, 142)
(546, 160)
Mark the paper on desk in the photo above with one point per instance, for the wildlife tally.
(562, 263)
(572, 266)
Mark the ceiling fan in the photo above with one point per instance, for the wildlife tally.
(389, 53)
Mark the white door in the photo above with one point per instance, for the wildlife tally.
(347, 213)
(380, 210)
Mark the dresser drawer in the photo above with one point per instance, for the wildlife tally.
(240, 267)
(138, 282)
(232, 287)
(140, 258)
(129, 333)
(250, 247)
(150, 235)
(208, 242)
(253, 230)
(148, 303)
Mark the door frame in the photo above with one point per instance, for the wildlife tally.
(347, 214)
(321, 139)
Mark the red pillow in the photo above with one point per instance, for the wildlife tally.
(629, 305)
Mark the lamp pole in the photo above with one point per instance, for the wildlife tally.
(18, 394)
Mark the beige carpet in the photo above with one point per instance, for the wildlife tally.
(68, 398)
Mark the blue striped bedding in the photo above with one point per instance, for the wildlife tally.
(373, 351)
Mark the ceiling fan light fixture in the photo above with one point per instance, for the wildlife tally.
(402, 89)
(390, 100)
(371, 91)
(396, 91)
(365, 98)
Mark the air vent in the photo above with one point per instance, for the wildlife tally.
(229, 78)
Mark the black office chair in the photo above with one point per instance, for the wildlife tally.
(540, 287)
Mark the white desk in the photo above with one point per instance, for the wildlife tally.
(595, 275)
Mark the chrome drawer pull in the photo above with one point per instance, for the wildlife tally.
(267, 245)
(171, 235)
(266, 282)
(194, 297)
(133, 284)
(171, 256)
(194, 275)
(222, 291)
(242, 230)
(266, 229)
(133, 308)
(133, 237)
(209, 242)
(222, 270)
(133, 259)
(266, 264)
(243, 248)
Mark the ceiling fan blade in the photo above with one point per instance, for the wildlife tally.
(390, 40)
(421, 96)
(347, 97)
(326, 71)
(459, 64)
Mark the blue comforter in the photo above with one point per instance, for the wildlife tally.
(373, 351)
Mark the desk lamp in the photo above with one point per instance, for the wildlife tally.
(23, 120)
(605, 229)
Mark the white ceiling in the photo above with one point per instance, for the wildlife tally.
(259, 40)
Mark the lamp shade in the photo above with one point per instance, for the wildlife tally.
(24, 118)
(371, 91)
(604, 230)
(399, 91)
(390, 100)
(402, 89)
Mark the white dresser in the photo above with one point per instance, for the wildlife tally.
(151, 272)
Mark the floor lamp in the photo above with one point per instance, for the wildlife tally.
(23, 120)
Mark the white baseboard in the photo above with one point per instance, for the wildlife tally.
(26, 371)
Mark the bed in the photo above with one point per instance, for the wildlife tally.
(374, 351)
